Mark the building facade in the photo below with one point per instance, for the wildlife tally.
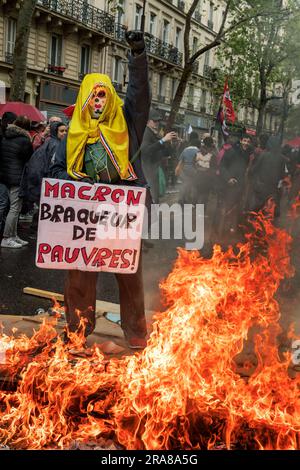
(69, 38)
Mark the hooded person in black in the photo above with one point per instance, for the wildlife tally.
(265, 171)
(233, 168)
(15, 150)
(39, 164)
(7, 118)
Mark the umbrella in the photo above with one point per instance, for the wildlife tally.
(294, 142)
(69, 111)
(22, 109)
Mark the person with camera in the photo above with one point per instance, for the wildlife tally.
(154, 149)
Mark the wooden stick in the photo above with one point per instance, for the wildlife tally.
(43, 293)
(100, 304)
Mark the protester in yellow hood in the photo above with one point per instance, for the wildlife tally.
(104, 135)
(98, 117)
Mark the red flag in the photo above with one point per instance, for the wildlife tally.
(228, 110)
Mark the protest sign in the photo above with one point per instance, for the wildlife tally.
(90, 227)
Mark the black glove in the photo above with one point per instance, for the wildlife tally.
(87, 180)
(136, 41)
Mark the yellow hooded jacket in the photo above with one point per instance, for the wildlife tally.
(111, 129)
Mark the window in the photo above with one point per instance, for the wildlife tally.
(211, 11)
(161, 85)
(195, 45)
(191, 94)
(152, 24)
(55, 50)
(166, 26)
(120, 9)
(11, 35)
(138, 17)
(210, 22)
(206, 59)
(178, 38)
(174, 86)
(85, 60)
(117, 73)
(203, 100)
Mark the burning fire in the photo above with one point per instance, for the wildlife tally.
(184, 390)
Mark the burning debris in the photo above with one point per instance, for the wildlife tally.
(184, 390)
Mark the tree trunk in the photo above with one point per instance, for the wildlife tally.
(284, 114)
(261, 108)
(19, 75)
(187, 71)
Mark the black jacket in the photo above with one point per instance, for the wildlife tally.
(136, 111)
(234, 164)
(15, 151)
(38, 166)
(265, 171)
(152, 150)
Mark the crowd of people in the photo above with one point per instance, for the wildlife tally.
(241, 176)
(26, 150)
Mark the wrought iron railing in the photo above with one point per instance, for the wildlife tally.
(82, 12)
(9, 58)
(95, 18)
(164, 50)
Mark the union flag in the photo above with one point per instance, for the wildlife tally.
(226, 112)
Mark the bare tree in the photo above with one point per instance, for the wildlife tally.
(235, 15)
(19, 74)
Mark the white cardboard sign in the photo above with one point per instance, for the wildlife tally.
(90, 227)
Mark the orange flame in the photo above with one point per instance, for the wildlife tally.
(184, 390)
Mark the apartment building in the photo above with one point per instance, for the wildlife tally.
(69, 38)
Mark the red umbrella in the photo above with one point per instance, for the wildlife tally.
(69, 111)
(22, 109)
(294, 142)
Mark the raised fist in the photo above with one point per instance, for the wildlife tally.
(136, 41)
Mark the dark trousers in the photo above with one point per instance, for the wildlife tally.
(80, 301)
(4, 206)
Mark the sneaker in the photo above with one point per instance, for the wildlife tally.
(20, 241)
(10, 243)
(137, 343)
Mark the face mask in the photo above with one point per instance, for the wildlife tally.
(97, 102)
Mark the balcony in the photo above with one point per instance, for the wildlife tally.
(163, 50)
(9, 58)
(210, 25)
(56, 69)
(120, 31)
(90, 16)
